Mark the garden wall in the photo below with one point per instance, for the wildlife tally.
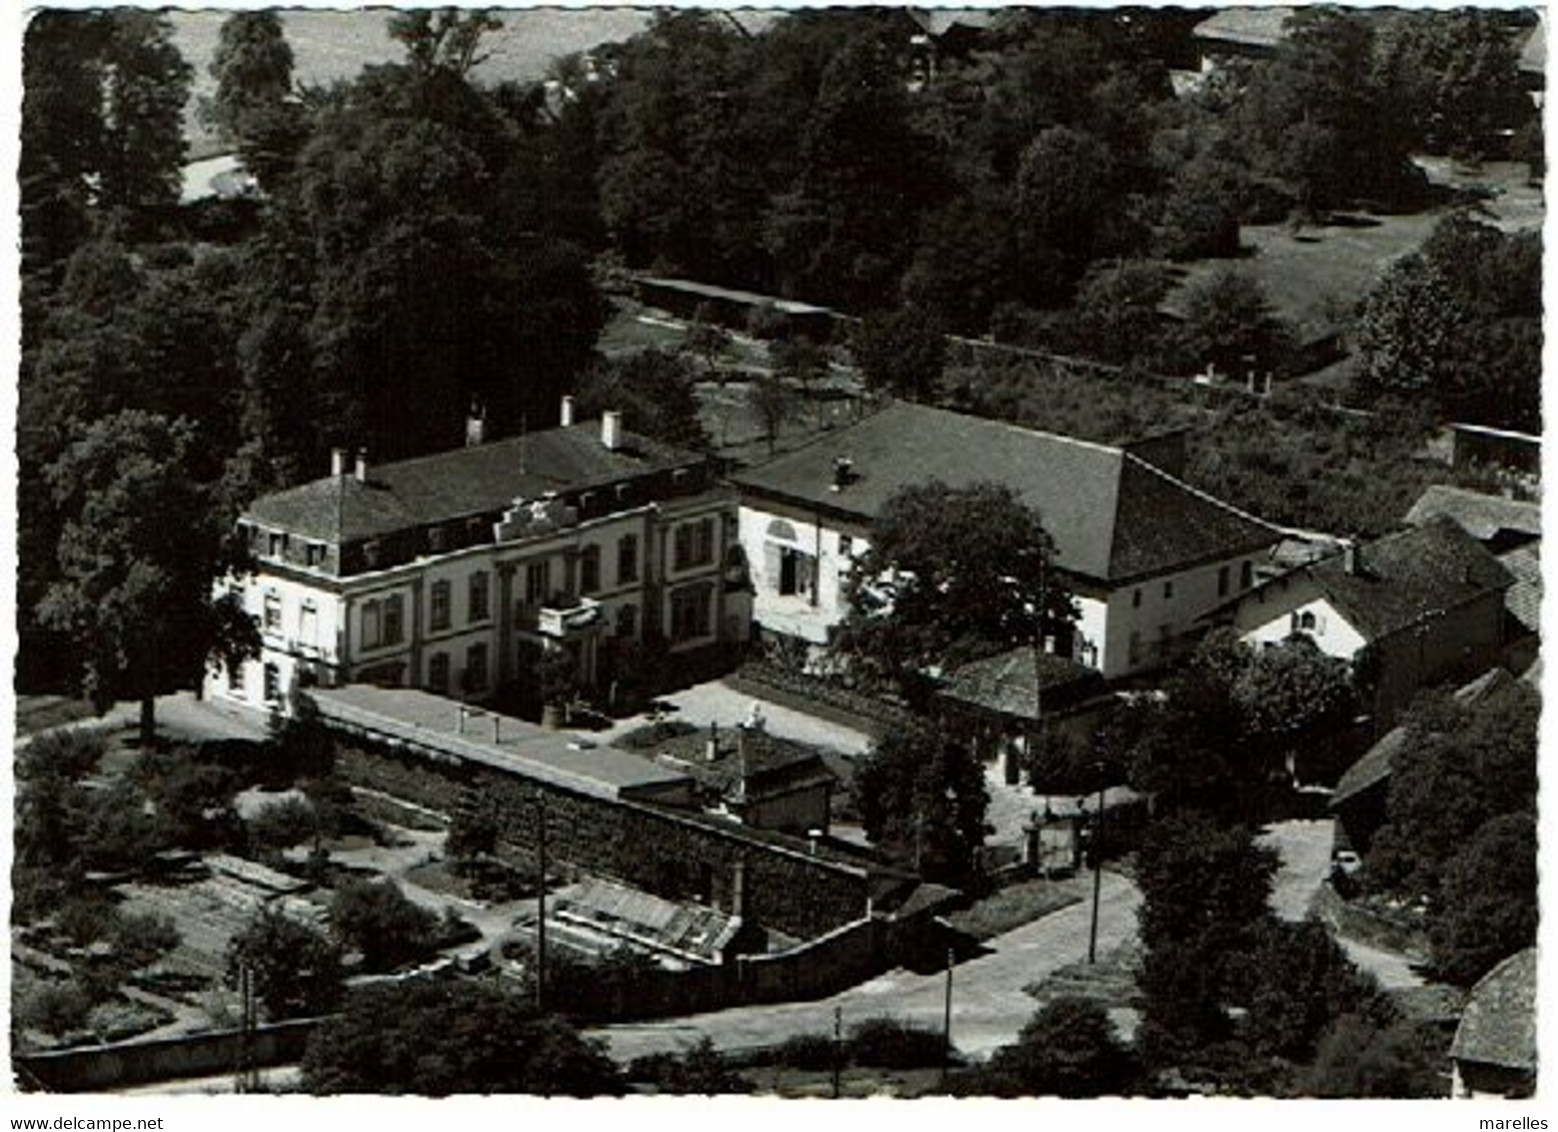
(817, 696)
(96, 1068)
(676, 854)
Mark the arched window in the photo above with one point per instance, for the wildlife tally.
(779, 529)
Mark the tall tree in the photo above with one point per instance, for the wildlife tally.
(1205, 889)
(1230, 323)
(952, 574)
(138, 604)
(654, 391)
(62, 133)
(901, 352)
(296, 968)
(922, 796)
(858, 146)
(1456, 76)
(146, 83)
(1488, 907)
(446, 39)
(254, 107)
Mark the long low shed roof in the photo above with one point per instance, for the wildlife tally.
(433, 723)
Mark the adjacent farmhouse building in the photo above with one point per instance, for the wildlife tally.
(1421, 606)
(1494, 1052)
(452, 572)
(1145, 554)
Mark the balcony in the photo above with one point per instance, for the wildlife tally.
(561, 616)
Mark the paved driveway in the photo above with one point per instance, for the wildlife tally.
(988, 1003)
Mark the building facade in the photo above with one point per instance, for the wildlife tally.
(1144, 554)
(1417, 607)
(456, 572)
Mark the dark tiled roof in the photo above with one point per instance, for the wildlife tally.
(1406, 577)
(462, 482)
(1524, 598)
(1499, 1025)
(1015, 682)
(1375, 764)
(1112, 515)
(1481, 516)
(773, 766)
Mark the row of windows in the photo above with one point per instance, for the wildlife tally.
(1224, 577)
(308, 617)
(277, 545)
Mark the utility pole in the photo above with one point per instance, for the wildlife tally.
(1098, 866)
(838, 1047)
(946, 1022)
(541, 902)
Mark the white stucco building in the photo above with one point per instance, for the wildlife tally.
(1145, 554)
(451, 572)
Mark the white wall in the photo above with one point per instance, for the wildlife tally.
(1175, 601)
(797, 614)
(1267, 617)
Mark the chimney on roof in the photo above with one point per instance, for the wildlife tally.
(362, 465)
(843, 472)
(1352, 560)
(565, 416)
(738, 890)
(476, 425)
(711, 744)
(337, 462)
(611, 429)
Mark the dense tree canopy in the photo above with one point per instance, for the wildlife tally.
(296, 968)
(435, 1038)
(254, 106)
(139, 605)
(921, 794)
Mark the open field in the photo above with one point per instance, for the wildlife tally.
(1316, 274)
(328, 46)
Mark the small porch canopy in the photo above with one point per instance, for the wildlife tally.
(1021, 686)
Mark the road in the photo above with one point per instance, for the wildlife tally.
(988, 1003)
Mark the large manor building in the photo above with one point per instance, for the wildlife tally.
(452, 572)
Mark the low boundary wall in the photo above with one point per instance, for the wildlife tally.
(93, 1069)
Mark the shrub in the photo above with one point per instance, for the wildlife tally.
(886, 1043)
(55, 1009)
(377, 920)
(808, 1051)
(70, 753)
(281, 824)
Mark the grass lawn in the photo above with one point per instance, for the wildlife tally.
(1016, 905)
(1315, 275)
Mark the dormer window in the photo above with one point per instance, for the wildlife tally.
(316, 553)
(370, 554)
(277, 545)
(437, 539)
